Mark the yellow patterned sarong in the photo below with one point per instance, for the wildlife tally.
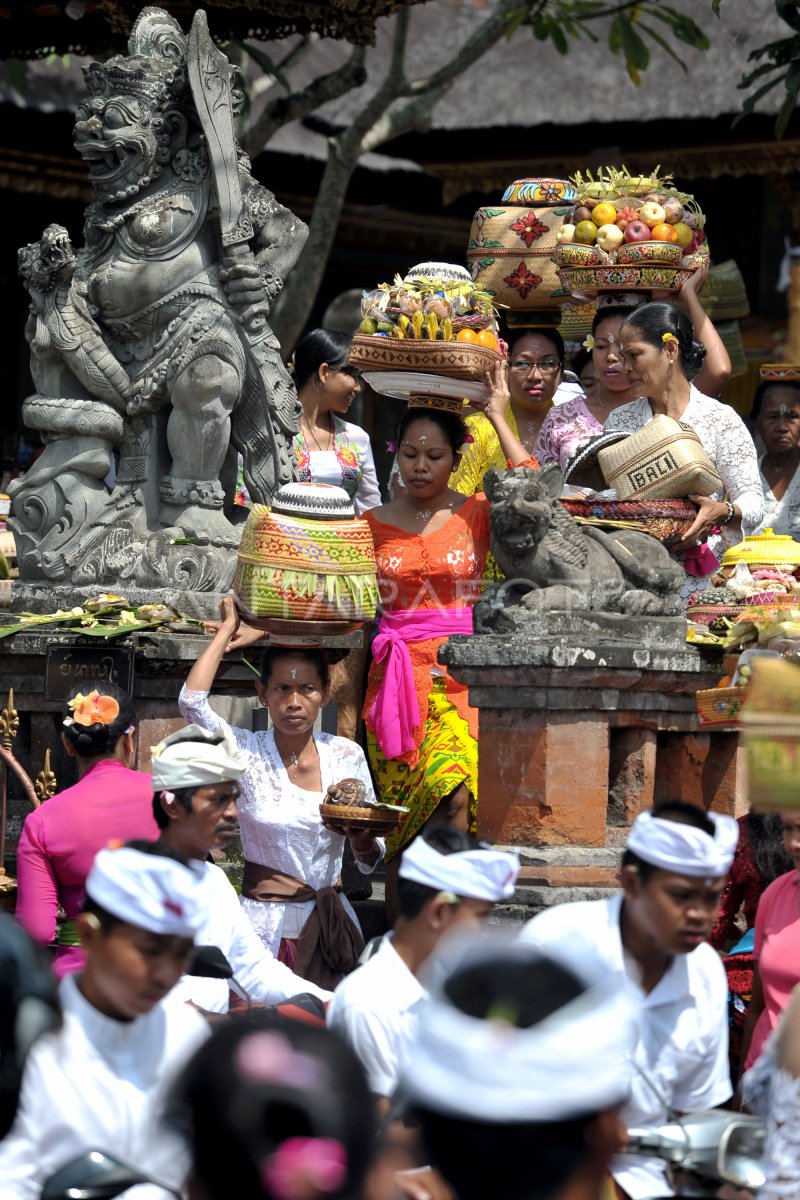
(448, 758)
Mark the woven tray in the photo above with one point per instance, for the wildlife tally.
(457, 360)
(665, 520)
(379, 819)
(586, 282)
(704, 614)
(720, 706)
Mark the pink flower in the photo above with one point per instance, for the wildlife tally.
(267, 1057)
(302, 1167)
(391, 447)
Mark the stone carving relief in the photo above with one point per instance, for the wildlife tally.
(150, 346)
(553, 564)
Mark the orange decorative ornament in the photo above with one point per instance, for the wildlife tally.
(485, 337)
(467, 335)
(93, 709)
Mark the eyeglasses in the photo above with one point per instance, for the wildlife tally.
(545, 366)
(353, 372)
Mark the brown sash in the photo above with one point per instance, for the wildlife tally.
(329, 944)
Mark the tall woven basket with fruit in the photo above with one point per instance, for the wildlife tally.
(629, 233)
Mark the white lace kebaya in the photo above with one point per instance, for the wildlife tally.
(729, 445)
(280, 822)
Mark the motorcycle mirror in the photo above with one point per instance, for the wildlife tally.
(208, 962)
(93, 1175)
(741, 1148)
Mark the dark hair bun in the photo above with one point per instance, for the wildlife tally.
(99, 738)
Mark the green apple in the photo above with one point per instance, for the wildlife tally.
(586, 233)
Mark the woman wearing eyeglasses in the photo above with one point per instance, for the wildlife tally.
(535, 365)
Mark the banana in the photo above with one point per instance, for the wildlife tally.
(403, 322)
(432, 323)
(416, 323)
(447, 329)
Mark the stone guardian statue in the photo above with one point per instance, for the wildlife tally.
(184, 253)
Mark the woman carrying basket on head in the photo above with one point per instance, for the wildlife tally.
(431, 546)
(661, 357)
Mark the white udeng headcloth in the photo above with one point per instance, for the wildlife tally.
(685, 849)
(475, 874)
(193, 758)
(151, 891)
(575, 1062)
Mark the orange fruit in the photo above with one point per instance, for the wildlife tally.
(486, 338)
(467, 335)
(663, 233)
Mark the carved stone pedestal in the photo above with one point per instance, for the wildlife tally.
(585, 720)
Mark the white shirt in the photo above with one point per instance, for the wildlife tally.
(375, 1009)
(781, 516)
(280, 822)
(226, 926)
(100, 1084)
(683, 1043)
(727, 442)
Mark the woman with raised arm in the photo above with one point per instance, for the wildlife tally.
(431, 545)
(661, 358)
(291, 889)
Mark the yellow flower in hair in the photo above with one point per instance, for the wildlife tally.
(588, 342)
(668, 337)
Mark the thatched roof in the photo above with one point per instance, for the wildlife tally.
(35, 28)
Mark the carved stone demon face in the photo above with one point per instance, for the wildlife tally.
(49, 261)
(123, 141)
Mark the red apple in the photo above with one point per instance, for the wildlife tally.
(637, 231)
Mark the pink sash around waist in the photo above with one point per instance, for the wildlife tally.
(394, 714)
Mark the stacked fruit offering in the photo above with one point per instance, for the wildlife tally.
(642, 225)
(430, 309)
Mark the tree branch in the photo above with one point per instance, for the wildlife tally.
(474, 48)
(296, 105)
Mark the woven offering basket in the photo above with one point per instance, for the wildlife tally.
(705, 614)
(665, 520)
(721, 705)
(381, 820)
(305, 568)
(664, 459)
(658, 278)
(456, 360)
(510, 249)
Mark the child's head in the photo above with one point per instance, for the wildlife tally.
(143, 907)
(278, 1109)
(294, 685)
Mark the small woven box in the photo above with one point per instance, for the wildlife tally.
(721, 705)
(663, 460)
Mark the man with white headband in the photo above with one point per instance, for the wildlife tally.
(446, 881)
(518, 1071)
(653, 933)
(100, 1082)
(195, 789)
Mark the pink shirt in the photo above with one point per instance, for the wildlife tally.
(777, 952)
(60, 839)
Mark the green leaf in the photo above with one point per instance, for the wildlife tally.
(715, 7)
(784, 116)
(789, 12)
(17, 72)
(636, 52)
(8, 630)
(558, 37)
(664, 44)
(267, 65)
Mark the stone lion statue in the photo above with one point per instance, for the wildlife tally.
(552, 563)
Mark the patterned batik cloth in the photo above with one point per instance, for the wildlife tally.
(447, 758)
(434, 571)
(565, 429)
(727, 442)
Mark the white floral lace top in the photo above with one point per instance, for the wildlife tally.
(565, 429)
(773, 1093)
(728, 444)
(782, 516)
(280, 823)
